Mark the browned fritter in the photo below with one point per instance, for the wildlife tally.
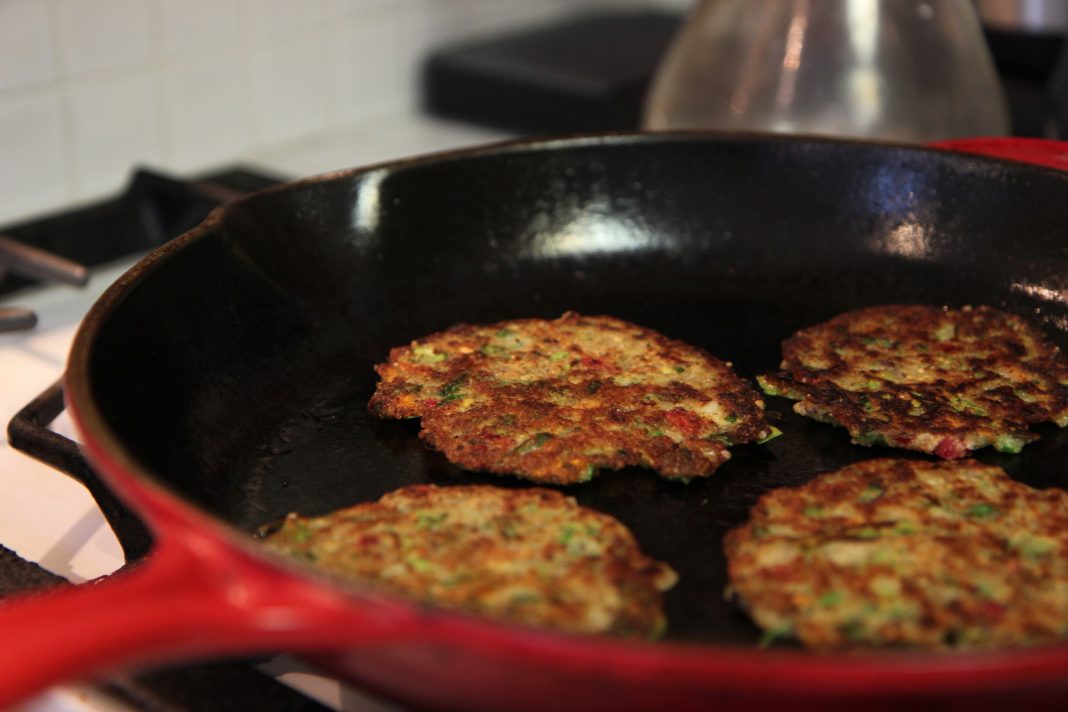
(553, 401)
(906, 553)
(937, 380)
(530, 556)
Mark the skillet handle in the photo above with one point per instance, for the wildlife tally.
(195, 598)
(29, 433)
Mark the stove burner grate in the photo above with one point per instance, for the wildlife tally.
(153, 209)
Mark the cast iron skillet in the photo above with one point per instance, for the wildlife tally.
(223, 382)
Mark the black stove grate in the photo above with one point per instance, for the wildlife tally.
(153, 209)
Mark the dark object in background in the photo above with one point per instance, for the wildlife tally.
(152, 209)
(1025, 63)
(585, 73)
(1058, 95)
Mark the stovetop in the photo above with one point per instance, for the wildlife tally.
(108, 236)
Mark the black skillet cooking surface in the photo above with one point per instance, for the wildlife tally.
(239, 370)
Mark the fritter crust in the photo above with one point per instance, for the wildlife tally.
(553, 401)
(530, 556)
(903, 552)
(937, 380)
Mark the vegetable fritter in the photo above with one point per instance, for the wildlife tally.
(529, 556)
(937, 380)
(554, 401)
(906, 553)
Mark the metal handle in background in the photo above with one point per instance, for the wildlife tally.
(16, 319)
(27, 261)
(29, 433)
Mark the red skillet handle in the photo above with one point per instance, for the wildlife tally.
(195, 597)
(1053, 154)
(194, 594)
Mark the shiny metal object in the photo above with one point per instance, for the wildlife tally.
(899, 70)
(32, 263)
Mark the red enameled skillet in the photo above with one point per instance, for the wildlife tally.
(223, 381)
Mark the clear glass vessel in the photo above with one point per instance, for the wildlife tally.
(900, 70)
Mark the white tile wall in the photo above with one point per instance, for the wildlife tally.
(90, 88)
(26, 55)
(115, 122)
(32, 161)
(98, 34)
(206, 109)
(191, 25)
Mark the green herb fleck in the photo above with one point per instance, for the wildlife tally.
(521, 597)
(870, 439)
(830, 599)
(568, 532)
(301, 533)
(945, 332)
(425, 354)
(587, 473)
(905, 527)
(813, 511)
(532, 443)
(453, 387)
(680, 369)
(771, 635)
(983, 510)
(419, 564)
(731, 417)
(558, 356)
(428, 520)
(962, 405)
(852, 629)
(1034, 547)
(1009, 443)
(774, 433)
(867, 533)
(871, 493)
(504, 333)
(767, 387)
(885, 587)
